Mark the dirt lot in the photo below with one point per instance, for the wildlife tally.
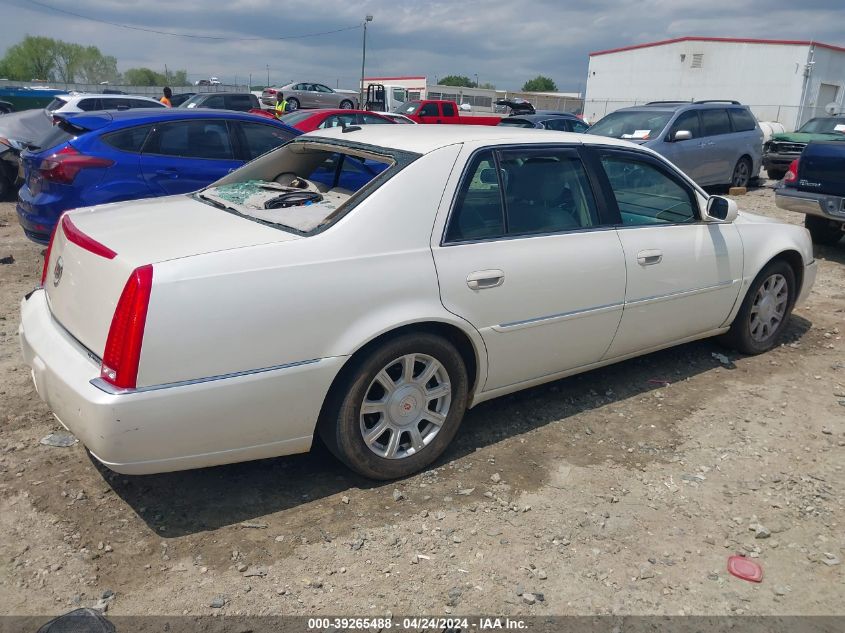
(620, 491)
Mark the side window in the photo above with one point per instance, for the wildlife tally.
(546, 191)
(448, 109)
(579, 126)
(715, 121)
(140, 103)
(429, 109)
(478, 212)
(88, 105)
(338, 120)
(238, 102)
(558, 124)
(321, 88)
(193, 139)
(260, 138)
(646, 194)
(373, 120)
(742, 120)
(131, 140)
(687, 121)
(215, 101)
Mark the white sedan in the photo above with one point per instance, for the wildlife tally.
(370, 284)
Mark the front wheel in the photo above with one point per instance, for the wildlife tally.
(293, 104)
(397, 409)
(742, 173)
(346, 104)
(822, 230)
(764, 311)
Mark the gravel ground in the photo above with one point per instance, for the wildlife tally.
(623, 490)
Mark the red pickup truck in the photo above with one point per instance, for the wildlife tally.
(433, 111)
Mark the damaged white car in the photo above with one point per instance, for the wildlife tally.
(371, 284)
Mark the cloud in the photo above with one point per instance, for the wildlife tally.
(504, 42)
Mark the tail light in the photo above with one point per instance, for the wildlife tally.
(47, 255)
(63, 166)
(791, 176)
(126, 334)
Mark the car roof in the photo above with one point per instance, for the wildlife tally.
(422, 139)
(101, 118)
(221, 92)
(317, 111)
(100, 95)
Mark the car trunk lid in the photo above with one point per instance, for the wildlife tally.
(94, 251)
(821, 167)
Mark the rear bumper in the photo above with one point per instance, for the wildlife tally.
(36, 220)
(809, 203)
(172, 427)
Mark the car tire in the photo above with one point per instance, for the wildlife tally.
(764, 311)
(742, 173)
(293, 104)
(776, 174)
(346, 104)
(822, 230)
(353, 435)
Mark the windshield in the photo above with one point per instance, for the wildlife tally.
(193, 101)
(513, 122)
(633, 125)
(410, 107)
(832, 125)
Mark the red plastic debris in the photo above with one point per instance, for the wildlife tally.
(745, 569)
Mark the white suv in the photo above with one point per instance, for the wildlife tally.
(87, 102)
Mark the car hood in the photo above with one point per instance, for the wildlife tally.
(803, 137)
(28, 126)
(746, 217)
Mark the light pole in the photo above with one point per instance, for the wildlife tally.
(368, 18)
(476, 80)
(268, 75)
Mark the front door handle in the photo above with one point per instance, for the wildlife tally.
(647, 258)
(481, 279)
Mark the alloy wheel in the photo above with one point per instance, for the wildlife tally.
(405, 406)
(741, 175)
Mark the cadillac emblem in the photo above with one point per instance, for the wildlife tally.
(57, 271)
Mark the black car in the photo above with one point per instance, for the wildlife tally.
(561, 121)
(178, 99)
(241, 101)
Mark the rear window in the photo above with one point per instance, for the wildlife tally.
(304, 187)
(55, 104)
(407, 108)
(742, 120)
(295, 117)
(56, 136)
(89, 105)
(131, 140)
(512, 122)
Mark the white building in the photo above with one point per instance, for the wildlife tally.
(781, 80)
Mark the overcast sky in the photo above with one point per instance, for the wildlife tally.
(504, 42)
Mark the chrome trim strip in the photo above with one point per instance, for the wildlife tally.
(102, 385)
(683, 293)
(563, 316)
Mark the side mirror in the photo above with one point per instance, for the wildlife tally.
(721, 209)
(682, 135)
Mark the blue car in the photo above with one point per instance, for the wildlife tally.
(94, 158)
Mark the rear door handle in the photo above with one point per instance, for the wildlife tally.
(647, 258)
(481, 279)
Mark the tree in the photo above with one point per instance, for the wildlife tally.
(456, 80)
(143, 77)
(539, 84)
(31, 58)
(487, 86)
(95, 68)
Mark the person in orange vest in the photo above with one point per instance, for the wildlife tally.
(166, 98)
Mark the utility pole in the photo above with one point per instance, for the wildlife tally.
(268, 75)
(166, 80)
(368, 18)
(476, 80)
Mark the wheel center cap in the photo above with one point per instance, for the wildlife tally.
(406, 405)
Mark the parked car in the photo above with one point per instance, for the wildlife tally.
(21, 98)
(101, 157)
(442, 111)
(560, 121)
(233, 323)
(178, 99)
(240, 101)
(89, 102)
(202, 82)
(515, 106)
(784, 148)
(308, 120)
(713, 142)
(311, 95)
(18, 131)
(815, 186)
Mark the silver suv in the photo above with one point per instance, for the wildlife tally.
(713, 142)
